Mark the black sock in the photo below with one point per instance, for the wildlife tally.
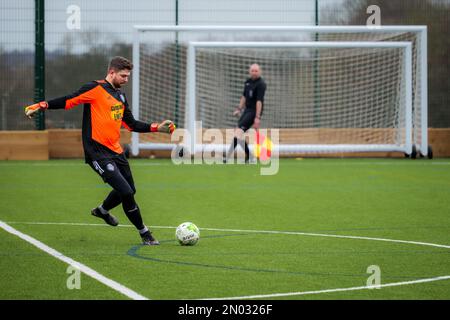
(132, 211)
(244, 146)
(247, 151)
(231, 149)
(112, 200)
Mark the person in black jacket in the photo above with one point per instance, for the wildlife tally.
(250, 109)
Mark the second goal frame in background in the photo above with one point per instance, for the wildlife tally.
(180, 36)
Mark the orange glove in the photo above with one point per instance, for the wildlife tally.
(167, 126)
(31, 110)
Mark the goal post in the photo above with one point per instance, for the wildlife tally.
(160, 86)
(401, 119)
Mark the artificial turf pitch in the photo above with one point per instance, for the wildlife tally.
(234, 207)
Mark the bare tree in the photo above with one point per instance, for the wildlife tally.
(433, 13)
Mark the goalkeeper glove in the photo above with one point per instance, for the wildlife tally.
(31, 110)
(167, 126)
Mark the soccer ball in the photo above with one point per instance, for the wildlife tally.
(187, 234)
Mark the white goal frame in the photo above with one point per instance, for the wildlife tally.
(421, 65)
(303, 148)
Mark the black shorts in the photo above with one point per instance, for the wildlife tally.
(116, 172)
(246, 120)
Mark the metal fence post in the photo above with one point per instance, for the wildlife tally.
(39, 60)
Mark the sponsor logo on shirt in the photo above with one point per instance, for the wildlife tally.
(117, 112)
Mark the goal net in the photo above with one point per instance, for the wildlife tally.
(322, 98)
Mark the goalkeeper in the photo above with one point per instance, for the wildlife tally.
(105, 110)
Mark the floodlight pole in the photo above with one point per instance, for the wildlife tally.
(316, 73)
(177, 68)
(39, 60)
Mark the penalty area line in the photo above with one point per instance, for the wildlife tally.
(83, 268)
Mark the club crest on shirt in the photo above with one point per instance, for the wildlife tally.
(117, 112)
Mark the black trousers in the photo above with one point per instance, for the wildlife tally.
(116, 172)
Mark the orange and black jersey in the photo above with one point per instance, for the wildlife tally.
(105, 111)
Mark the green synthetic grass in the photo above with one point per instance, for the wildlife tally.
(394, 199)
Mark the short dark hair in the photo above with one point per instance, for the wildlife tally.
(120, 63)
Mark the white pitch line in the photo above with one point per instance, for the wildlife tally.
(332, 236)
(274, 295)
(302, 293)
(305, 161)
(68, 224)
(251, 231)
(83, 268)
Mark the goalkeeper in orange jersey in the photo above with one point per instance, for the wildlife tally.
(105, 110)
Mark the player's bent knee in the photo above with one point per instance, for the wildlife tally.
(128, 194)
(125, 192)
(128, 198)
